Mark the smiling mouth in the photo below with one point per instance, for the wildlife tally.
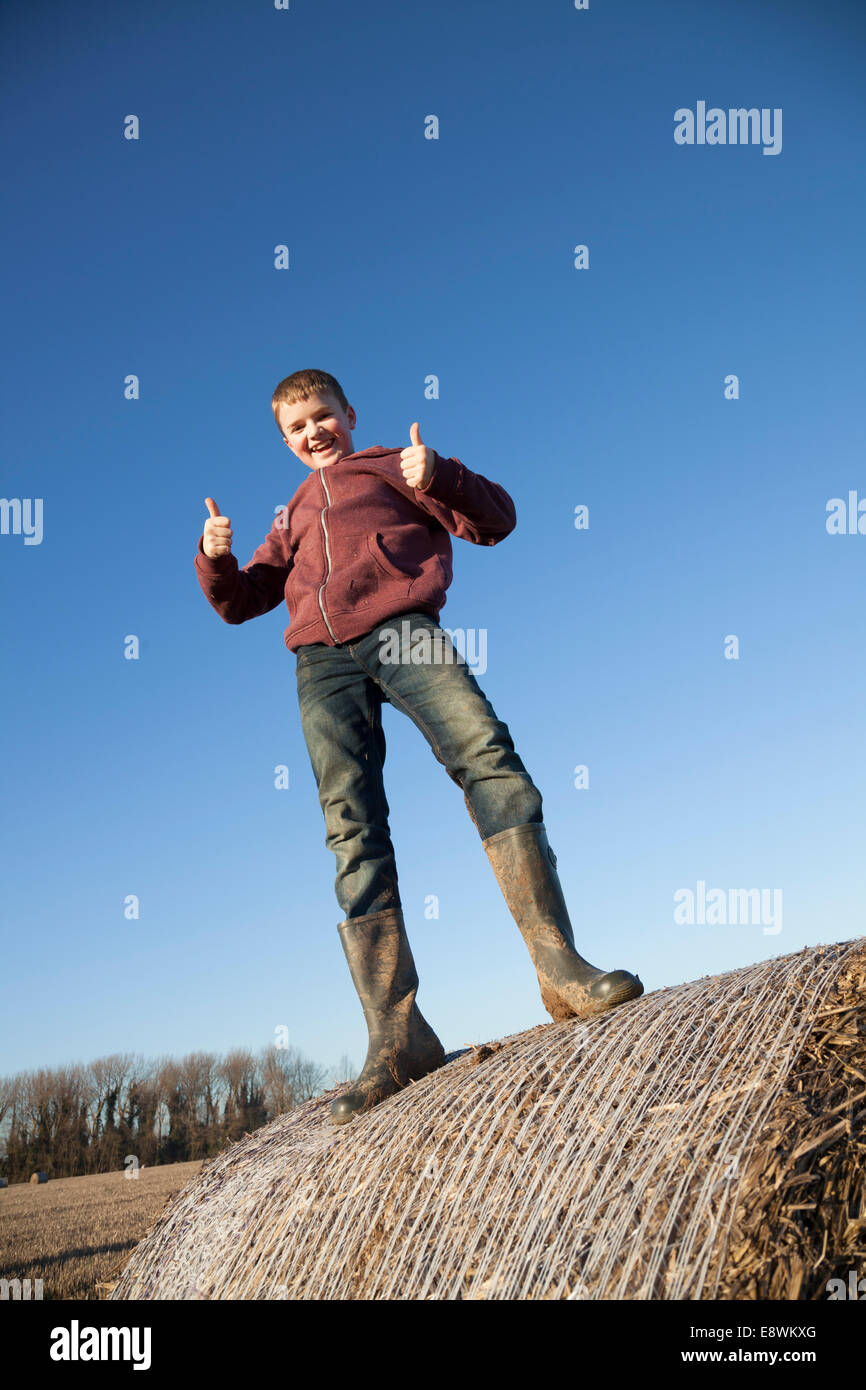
(323, 449)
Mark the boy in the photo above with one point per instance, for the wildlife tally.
(365, 541)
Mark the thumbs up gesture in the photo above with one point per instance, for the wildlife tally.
(417, 462)
(217, 539)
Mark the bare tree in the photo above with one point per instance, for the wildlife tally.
(343, 1071)
(76, 1119)
(288, 1079)
(196, 1076)
(143, 1099)
(7, 1093)
(10, 1091)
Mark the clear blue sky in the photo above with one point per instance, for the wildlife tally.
(602, 387)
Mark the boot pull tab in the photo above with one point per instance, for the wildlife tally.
(551, 855)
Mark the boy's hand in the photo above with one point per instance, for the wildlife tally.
(418, 462)
(217, 538)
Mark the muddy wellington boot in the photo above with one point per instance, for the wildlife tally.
(403, 1046)
(525, 868)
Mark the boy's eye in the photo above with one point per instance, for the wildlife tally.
(295, 428)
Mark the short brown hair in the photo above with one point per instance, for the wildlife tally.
(301, 385)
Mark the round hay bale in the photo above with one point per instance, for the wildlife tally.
(38, 1177)
(703, 1142)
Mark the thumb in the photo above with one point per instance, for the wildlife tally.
(212, 506)
(415, 434)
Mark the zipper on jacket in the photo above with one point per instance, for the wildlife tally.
(327, 552)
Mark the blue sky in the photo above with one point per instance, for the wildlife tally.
(602, 387)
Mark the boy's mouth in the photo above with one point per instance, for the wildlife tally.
(323, 449)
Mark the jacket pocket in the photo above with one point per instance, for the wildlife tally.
(430, 585)
(382, 559)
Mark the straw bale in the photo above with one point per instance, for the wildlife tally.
(706, 1141)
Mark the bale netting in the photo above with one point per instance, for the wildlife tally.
(705, 1141)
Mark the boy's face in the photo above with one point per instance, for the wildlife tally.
(314, 422)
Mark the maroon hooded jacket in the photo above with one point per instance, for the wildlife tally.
(356, 545)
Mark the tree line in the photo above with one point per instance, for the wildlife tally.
(73, 1120)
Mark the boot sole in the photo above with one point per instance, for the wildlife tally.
(339, 1117)
(591, 1008)
(624, 993)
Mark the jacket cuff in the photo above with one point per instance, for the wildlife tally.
(212, 565)
(443, 484)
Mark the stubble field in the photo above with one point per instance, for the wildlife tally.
(75, 1234)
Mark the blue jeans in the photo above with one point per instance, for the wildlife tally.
(341, 690)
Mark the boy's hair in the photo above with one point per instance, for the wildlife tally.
(301, 385)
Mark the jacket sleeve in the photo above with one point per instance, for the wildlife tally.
(467, 505)
(239, 594)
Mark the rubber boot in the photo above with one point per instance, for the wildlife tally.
(525, 868)
(403, 1046)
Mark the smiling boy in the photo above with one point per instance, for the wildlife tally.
(366, 538)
